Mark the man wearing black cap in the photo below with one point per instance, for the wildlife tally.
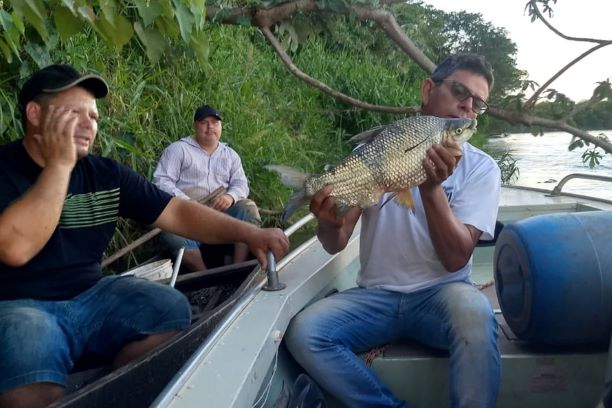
(194, 167)
(58, 211)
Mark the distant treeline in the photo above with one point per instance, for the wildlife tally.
(595, 117)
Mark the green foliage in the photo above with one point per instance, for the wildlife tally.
(592, 157)
(597, 116)
(153, 24)
(508, 165)
(270, 116)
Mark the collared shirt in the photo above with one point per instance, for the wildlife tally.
(187, 171)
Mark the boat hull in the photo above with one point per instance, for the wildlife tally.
(137, 384)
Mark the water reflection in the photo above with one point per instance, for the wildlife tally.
(544, 160)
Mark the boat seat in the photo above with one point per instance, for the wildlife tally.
(564, 375)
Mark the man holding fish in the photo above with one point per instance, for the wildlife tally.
(414, 280)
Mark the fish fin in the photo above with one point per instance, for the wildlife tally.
(296, 201)
(294, 179)
(289, 176)
(368, 135)
(404, 198)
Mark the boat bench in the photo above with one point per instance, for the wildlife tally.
(532, 376)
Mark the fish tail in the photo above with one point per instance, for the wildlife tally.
(296, 201)
(294, 179)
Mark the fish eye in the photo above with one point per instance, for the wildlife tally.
(458, 131)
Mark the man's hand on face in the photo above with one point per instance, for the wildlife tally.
(439, 164)
(56, 137)
(223, 202)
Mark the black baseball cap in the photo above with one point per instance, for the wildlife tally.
(56, 78)
(205, 111)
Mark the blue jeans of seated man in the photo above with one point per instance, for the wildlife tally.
(40, 341)
(244, 210)
(325, 336)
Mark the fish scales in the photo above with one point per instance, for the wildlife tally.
(389, 160)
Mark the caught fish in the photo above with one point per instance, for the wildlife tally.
(389, 159)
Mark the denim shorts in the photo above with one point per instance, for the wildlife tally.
(40, 341)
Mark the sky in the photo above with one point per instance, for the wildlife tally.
(540, 51)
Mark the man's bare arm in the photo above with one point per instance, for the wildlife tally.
(453, 241)
(196, 221)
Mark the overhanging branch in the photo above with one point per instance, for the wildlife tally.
(533, 99)
(600, 44)
(525, 119)
(325, 88)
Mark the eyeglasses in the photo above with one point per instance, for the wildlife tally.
(459, 91)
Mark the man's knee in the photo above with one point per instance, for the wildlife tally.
(304, 332)
(245, 210)
(166, 308)
(173, 243)
(470, 311)
(33, 348)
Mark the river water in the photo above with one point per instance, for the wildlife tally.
(544, 160)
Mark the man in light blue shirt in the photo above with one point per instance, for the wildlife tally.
(197, 165)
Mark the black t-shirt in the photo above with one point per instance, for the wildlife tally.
(100, 191)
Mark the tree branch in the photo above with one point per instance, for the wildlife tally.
(265, 18)
(388, 23)
(525, 119)
(325, 88)
(533, 99)
(534, 8)
(600, 43)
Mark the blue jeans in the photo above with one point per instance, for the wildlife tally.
(325, 336)
(41, 340)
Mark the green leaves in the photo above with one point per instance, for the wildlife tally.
(592, 157)
(152, 40)
(35, 13)
(67, 23)
(10, 39)
(157, 23)
(118, 33)
(185, 19)
(148, 11)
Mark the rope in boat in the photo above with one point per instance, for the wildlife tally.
(266, 391)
